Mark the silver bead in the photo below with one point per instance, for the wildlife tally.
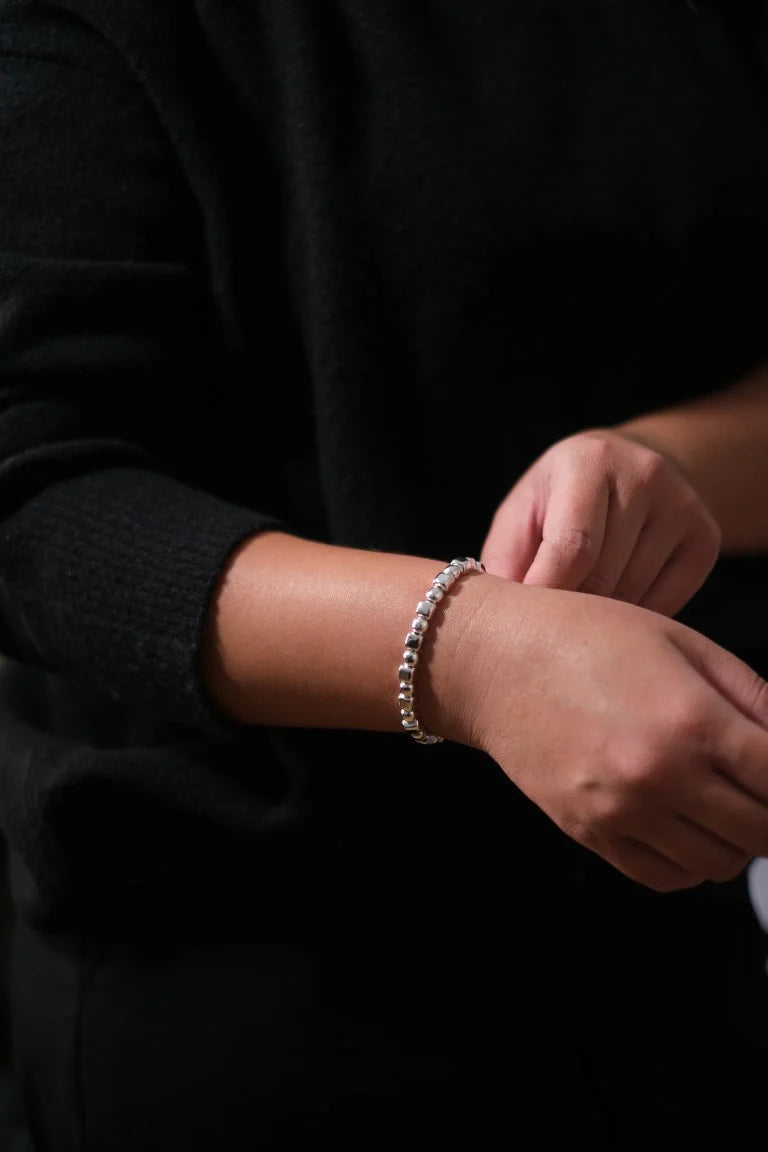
(405, 674)
(435, 594)
(425, 608)
(410, 659)
(455, 570)
(413, 641)
(422, 737)
(407, 714)
(444, 580)
(406, 698)
(411, 725)
(419, 624)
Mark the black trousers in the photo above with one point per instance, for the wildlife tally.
(492, 1013)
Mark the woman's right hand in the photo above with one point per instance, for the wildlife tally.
(640, 738)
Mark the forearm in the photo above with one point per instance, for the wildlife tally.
(303, 634)
(720, 442)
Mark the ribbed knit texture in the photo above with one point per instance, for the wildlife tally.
(345, 267)
(127, 627)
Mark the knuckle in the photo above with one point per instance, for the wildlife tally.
(573, 543)
(689, 724)
(592, 448)
(652, 466)
(643, 772)
(612, 813)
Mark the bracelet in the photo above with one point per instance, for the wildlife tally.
(405, 700)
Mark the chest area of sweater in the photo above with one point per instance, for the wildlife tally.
(500, 118)
(589, 167)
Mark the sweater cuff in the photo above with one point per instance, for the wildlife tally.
(108, 577)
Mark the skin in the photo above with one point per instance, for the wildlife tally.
(601, 513)
(658, 760)
(720, 443)
(640, 738)
(641, 511)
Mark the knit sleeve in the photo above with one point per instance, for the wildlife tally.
(110, 548)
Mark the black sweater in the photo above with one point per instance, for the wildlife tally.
(347, 268)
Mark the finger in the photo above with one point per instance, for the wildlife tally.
(684, 572)
(736, 684)
(696, 850)
(514, 536)
(738, 713)
(647, 866)
(625, 518)
(731, 814)
(657, 540)
(743, 759)
(573, 528)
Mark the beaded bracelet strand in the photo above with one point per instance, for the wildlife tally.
(406, 700)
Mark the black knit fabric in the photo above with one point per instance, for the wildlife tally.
(346, 268)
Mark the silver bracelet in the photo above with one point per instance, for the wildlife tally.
(406, 700)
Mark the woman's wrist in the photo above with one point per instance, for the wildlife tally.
(458, 655)
(304, 634)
